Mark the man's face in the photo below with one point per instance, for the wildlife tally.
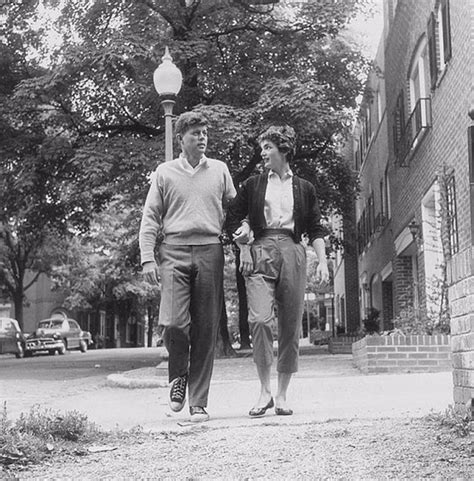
(194, 141)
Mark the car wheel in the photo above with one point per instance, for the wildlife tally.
(83, 346)
(51, 352)
(21, 351)
(62, 350)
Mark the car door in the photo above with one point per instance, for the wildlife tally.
(74, 333)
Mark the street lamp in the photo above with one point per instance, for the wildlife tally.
(414, 229)
(168, 79)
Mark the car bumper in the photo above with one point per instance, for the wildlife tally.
(42, 344)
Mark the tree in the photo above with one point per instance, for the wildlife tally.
(101, 269)
(244, 65)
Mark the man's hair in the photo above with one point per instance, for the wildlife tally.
(283, 136)
(188, 120)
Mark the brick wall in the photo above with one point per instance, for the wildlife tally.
(387, 303)
(379, 354)
(461, 296)
(351, 274)
(403, 273)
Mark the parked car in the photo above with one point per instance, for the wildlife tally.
(12, 340)
(58, 334)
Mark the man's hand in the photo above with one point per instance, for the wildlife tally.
(242, 234)
(322, 273)
(151, 273)
(246, 261)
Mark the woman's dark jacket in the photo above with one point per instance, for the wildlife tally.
(250, 201)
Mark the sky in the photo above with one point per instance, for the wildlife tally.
(369, 30)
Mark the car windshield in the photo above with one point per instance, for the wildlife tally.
(51, 324)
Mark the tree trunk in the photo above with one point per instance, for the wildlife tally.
(244, 328)
(151, 321)
(224, 347)
(18, 303)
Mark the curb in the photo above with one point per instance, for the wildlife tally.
(120, 380)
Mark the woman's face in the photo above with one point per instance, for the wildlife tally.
(273, 159)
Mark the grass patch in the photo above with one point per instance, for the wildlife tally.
(459, 424)
(41, 432)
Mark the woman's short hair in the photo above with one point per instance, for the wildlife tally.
(188, 120)
(283, 136)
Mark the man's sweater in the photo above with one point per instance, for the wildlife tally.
(185, 204)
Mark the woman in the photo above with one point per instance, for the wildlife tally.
(279, 208)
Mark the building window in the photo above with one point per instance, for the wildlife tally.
(371, 215)
(388, 211)
(367, 126)
(417, 77)
(379, 107)
(444, 33)
(452, 216)
(398, 123)
(439, 40)
(102, 324)
(357, 161)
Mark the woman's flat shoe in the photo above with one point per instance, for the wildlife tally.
(257, 412)
(283, 412)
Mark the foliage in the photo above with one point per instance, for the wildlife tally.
(30, 438)
(371, 321)
(411, 321)
(461, 424)
(81, 124)
(102, 265)
(47, 424)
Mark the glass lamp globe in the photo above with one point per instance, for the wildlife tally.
(167, 78)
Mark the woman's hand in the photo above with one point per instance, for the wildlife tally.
(322, 273)
(246, 261)
(242, 234)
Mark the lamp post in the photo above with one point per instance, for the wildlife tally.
(168, 79)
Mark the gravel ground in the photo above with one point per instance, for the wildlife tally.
(355, 449)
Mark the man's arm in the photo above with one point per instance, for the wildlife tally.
(150, 227)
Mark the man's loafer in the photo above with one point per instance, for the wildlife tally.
(260, 411)
(283, 412)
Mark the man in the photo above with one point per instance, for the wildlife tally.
(185, 205)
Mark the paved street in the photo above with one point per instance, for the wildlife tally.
(76, 365)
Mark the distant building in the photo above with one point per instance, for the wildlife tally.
(112, 325)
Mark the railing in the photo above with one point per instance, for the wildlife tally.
(418, 122)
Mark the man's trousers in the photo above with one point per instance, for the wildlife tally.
(191, 306)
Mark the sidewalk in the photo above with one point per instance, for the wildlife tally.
(327, 387)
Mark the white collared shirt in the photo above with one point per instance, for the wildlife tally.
(279, 201)
(188, 167)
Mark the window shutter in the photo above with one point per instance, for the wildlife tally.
(432, 50)
(446, 30)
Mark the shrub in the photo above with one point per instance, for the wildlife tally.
(413, 322)
(28, 440)
(47, 424)
(371, 322)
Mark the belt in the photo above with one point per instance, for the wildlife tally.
(270, 232)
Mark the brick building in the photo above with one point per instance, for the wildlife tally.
(413, 148)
